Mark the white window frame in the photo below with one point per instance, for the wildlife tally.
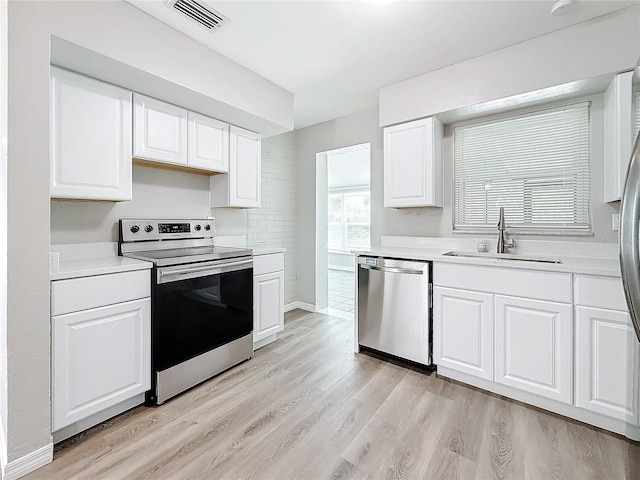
(344, 224)
(563, 230)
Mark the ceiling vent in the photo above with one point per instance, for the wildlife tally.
(205, 16)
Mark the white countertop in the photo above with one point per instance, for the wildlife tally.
(584, 265)
(87, 267)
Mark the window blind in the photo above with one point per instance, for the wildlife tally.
(536, 166)
(636, 114)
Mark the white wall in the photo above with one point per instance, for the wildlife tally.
(28, 324)
(437, 222)
(3, 232)
(607, 44)
(274, 222)
(121, 32)
(157, 193)
(343, 132)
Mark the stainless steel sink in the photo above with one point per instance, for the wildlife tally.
(504, 256)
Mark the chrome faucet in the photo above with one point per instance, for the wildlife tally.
(502, 243)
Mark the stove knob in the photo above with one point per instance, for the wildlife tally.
(134, 229)
(197, 228)
(207, 227)
(148, 228)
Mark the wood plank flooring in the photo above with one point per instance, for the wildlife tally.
(307, 407)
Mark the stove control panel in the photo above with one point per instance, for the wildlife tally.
(174, 227)
(139, 229)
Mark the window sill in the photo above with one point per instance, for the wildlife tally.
(536, 233)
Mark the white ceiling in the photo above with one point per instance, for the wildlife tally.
(335, 55)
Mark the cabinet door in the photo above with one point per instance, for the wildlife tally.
(244, 169)
(606, 363)
(101, 357)
(413, 164)
(160, 131)
(462, 331)
(533, 346)
(241, 186)
(617, 134)
(268, 305)
(90, 138)
(208, 143)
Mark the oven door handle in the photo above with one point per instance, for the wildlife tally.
(193, 272)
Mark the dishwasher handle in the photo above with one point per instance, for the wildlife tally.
(409, 271)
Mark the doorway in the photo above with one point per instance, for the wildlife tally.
(343, 199)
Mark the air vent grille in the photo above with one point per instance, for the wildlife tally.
(196, 11)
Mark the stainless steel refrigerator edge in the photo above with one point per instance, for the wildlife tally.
(630, 231)
(394, 307)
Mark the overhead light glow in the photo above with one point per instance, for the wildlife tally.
(544, 94)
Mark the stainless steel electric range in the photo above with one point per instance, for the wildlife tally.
(201, 301)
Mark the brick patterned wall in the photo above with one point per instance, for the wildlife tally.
(275, 222)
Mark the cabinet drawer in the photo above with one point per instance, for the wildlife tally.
(273, 262)
(600, 292)
(89, 292)
(551, 286)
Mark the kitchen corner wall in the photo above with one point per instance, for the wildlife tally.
(274, 223)
(144, 45)
(432, 222)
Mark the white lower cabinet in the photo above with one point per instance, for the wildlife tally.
(606, 363)
(101, 347)
(268, 304)
(463, 331)
(101, 356)
(563, 342)
(533, 346)
(268, 297)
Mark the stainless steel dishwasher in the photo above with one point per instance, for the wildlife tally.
(394, 307)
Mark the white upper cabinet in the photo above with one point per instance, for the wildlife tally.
(413, 164)
(208, 143)
(241, 186)
(617, 135)
(160, 131)
(90, 138)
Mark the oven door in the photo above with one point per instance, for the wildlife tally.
(199, 307)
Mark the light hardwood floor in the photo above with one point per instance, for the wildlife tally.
(307, 407)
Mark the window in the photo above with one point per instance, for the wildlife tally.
(536, 166)
(348, 216)
(636, 114)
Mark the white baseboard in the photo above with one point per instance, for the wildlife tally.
(309, 307)
(27, 464)
(3, 450)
